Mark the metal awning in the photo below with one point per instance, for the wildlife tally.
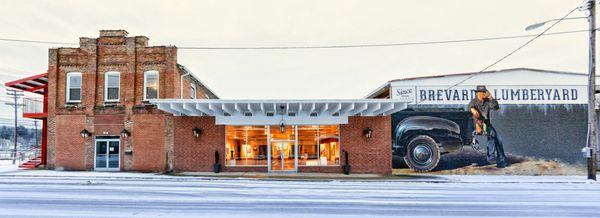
(272, 112)
(34, 84)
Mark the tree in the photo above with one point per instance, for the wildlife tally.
(22, 132)
(5, 133)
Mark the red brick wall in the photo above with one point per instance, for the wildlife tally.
(131, 56)
(368, 156)
(197, 154)
(201, 93)
(70, 153)
(148, 143)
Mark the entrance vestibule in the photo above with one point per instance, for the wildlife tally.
(282, 148)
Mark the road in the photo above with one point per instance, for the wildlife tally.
(26, 196)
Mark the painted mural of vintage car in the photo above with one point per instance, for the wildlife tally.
(421, 137)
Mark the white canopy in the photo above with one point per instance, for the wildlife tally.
(272, 112)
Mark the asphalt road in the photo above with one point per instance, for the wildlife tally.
(22, 196)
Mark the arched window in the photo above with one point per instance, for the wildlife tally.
(192, 91)
(112, 85)
(74, 84)
(151, 84)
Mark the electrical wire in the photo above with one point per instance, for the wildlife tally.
(512, 52)
(37, 41)
(329, 46)
(379, 45)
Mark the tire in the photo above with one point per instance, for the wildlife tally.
(422, 153)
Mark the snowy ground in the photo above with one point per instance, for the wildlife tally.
(83, 194)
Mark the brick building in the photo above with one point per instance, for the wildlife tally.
(115, 103)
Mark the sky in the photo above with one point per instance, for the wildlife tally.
(307, 73)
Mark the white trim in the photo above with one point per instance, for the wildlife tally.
(68, 87)
(107, 157)
(295, 148)
(149, 72)
(327, 112)
(181, 83)
(106, 86)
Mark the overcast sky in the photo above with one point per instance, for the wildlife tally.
(311, 73)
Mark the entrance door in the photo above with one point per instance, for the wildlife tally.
(283, 156)
(107, 154)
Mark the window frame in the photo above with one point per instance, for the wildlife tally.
(193, 91)
(146, 74)
(106, 74)
(68, 87)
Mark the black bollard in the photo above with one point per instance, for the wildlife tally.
(347, 165)
(217, 166)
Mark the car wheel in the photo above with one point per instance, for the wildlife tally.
(423, 154)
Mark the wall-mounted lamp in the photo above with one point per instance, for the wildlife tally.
(368, 132)
(85, 133)
(125, 133)
(197, 131)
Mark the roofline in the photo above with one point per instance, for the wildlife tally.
(198, 80)
(382, 88)
(25, 79)
(27, 86)
(378, 90)
(179, 100)
(486, 72)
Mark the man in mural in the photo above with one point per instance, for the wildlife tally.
(480, 107)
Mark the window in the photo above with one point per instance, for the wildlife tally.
(192, 91)
(318, 145)
(111, 86)
(246, 145)
(74, 83)
(249, 146)
(151, 85)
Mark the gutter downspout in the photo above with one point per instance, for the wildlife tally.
(181, 84)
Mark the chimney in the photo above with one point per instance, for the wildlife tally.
(113, 33)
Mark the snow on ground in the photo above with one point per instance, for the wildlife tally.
(29, 193)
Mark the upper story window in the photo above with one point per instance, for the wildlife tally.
(111, 86)
(74, 83)
(151, 85)
(192, 91)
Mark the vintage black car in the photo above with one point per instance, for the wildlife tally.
(421, 137)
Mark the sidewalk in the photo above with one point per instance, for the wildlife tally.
(8, 170)
(312, 176)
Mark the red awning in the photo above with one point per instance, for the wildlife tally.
(34, 84)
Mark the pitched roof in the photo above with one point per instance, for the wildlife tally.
(183, 70)
(33, 84)
(383, 88)
(487, 72)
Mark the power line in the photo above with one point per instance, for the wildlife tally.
(513, 51)
(329, 46)
(379, 45)
(37, 41)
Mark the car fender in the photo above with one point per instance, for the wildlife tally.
(440, 129)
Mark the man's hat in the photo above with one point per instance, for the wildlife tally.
(481, 88)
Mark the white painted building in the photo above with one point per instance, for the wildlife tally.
(510, 86)
(543, 113)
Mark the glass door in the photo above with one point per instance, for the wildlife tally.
(283, 156)
(107, 155)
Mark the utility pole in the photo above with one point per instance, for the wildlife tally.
(15, 94)
(592, 113)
